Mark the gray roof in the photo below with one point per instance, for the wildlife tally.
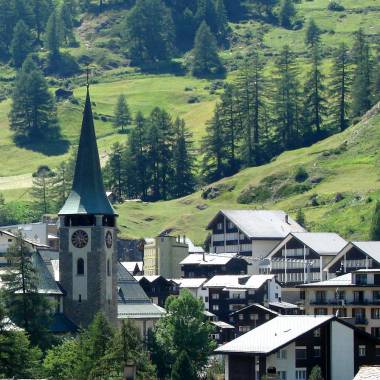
(140, 311)
(370, 248)
(222, 325)
(283, 305)
(239, 282)
(87, 195)
(323, 243)
(368, 373)
(45, 280)
(130, 291)
(208, 259)
(274, 334)
(344, 280)
(262, 224)
(255, 305)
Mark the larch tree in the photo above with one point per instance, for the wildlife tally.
(122, 115)
(314, 108)
(205, 59)
(42, 189)
(339, 89)
(22, 43)
(313, 33)
(33, 115)
(54, 37)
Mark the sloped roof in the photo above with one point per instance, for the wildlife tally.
(190, 283)
(370, 248)
(130, 291)
(148, 278)
(283, 305)
(237, 282)
(274, 334)
(208, 259)
(222, 325)
(130, 266)
(344, 280)
(368, 373)
(140, 311)
(61, 324)
(193, 248)
(255, 305)
(87, 195)
(264, 224)
(45, 280)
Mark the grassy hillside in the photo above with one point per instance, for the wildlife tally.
(338, 195)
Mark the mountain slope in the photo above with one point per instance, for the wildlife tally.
(338, 195)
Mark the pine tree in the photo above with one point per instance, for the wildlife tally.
(287, 13)
(66, 23)
(115, 171)
(206, 60)
(26, 307)
(206, 12)
(42, 190)
(221, 23)
(122, 116)
(41, 9)
(183, 177)
(361, 85)
(159, 152)
(183, 368)
(286, 99)
(250, 89)
(314, 101)
(340, 87)
(374, 233)
(149, 32)
(21, 44)
(313, 33)
(137, 144)
(213, 148)
(33, 115)
(232, 126)
(53, 37)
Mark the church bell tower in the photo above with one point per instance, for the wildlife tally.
(87, 252)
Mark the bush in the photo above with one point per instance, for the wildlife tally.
(301, 175)
(193, 99)
(335, 6)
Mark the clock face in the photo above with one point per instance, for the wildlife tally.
(108, 239)
(79, 239)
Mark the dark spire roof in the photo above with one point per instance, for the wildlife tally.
(87, 195)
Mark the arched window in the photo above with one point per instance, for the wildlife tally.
(80, 267)
(108, 268)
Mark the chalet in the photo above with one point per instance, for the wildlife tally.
(228, 293)
(250, 317)
(252, 233)
(223, 332)
(301, 256)
(355, 296)
(354, 255)
(284, 308)
(289, 346)
(157, 288)
(209, 265)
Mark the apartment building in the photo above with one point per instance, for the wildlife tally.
(355, 296)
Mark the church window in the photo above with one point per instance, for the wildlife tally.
(108, 268)
(80, 267)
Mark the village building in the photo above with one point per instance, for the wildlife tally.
(208, 265)
(284, 308)
(252, 233)
(355, 255)
(288, 347)
(158, 288)
(163, 254)
(368, 372)
(355, 296)
(301, 256)
(229, 293)
(134, 304)
(250, 317)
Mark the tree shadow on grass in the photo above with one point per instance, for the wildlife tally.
(49, 147)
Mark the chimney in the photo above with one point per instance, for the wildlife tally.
(204, 258)
(287, 218)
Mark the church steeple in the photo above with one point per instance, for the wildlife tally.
(87, 196)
